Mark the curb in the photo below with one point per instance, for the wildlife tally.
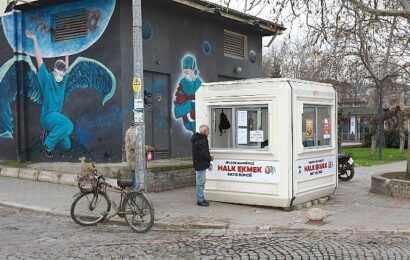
(159, 225)
(27, 174)
(45, 176)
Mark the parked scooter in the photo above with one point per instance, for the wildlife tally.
(346, 166)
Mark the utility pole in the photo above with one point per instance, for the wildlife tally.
(138, 88)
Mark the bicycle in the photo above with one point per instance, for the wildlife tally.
(92, 204)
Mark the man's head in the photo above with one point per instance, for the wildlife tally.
(59, 70)
(189, 68)
(204, 129)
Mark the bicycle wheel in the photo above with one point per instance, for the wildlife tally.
(90, 208)
(138, 212)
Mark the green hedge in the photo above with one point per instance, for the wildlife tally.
(391, 139)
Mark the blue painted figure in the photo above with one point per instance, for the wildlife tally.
(185, 94)
(52, 87)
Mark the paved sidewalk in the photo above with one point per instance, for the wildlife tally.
(352, 209)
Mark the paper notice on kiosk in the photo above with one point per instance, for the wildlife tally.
(256, 136)
(243, 118)
(242, 136)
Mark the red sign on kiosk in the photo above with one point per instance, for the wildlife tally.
(326, 128)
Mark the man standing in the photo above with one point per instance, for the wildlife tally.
(202, 160)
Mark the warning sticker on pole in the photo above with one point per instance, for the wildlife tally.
(244, 170)
(137, 85)
(326, 128)
(315, 167)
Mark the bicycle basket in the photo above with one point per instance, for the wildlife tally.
(86, 182)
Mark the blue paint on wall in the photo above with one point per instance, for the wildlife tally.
(41, 23)
(84, 137)
(158, 85)
(91, 127)
(160, 122)
(147, 31)
(207, 47)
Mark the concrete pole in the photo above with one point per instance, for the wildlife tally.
(138, 88)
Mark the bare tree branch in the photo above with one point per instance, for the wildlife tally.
(379, 12)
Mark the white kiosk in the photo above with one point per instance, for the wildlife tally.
(281, 147)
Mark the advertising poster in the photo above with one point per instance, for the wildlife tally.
(326, 128)
(244, 170)
(309, 128)
(315, 167)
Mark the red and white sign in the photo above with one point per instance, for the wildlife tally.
(244, 170)
(315, 167)
(326, 128)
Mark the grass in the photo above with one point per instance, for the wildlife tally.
(362, 156)
(14, 164)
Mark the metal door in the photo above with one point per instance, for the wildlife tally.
(157, 113)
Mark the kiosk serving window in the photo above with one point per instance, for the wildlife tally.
(240, 127)
(316, 126)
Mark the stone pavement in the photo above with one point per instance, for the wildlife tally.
(29, 236)
(353, 208)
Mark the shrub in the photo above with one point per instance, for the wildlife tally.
(367, 142)
(392, 139)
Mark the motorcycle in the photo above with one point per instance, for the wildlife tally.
(346, 166)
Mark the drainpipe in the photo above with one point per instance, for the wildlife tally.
(293, 150)
(18, 89)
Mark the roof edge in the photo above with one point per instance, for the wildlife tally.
(203, 5)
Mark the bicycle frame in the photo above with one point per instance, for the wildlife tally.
(102, 185)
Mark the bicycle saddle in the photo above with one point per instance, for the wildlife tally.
(124, 183)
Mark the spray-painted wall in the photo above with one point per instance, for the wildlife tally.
(182, 49)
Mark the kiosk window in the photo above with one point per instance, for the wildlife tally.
(240, 127)
(316, 126)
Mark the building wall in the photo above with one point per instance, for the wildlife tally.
(102, 112)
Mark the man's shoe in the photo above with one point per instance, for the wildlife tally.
(48, 152)
(202, 203)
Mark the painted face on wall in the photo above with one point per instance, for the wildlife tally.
(59, 75)
(189, 74)
(59, 70)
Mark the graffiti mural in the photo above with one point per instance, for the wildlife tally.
(50, 89)
(190, 82)
(41, 22)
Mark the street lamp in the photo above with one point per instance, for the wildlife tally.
(379, 84)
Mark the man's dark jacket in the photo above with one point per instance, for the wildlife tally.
(200, 152)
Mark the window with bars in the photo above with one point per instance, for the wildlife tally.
(69, 26)
(235, 45)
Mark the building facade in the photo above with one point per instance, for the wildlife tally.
(185, 43)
